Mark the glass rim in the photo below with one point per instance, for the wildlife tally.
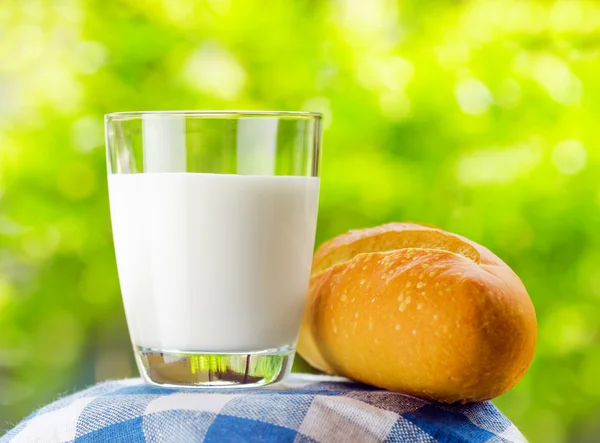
(233, 114)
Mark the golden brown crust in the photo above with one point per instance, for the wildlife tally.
(393, 236)
(442, 318)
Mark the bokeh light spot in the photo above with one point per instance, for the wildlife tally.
(89, 56)
(394, 107)
(367, 23)
(11, 102)
(386, 74)
(569, 156)
(70, 10)
(565, 330)
(178, 11)
(35, 9)
(40, 244)
(473, 96)
(566, 15)
(87, 133)
(59, 87)
(498, 165)
(213, 70)
(30, 43)
(556, 77)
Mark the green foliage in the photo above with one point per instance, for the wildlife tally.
(480, 117)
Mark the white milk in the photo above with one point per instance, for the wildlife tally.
(215, 263)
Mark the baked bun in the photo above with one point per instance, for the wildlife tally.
(418, 310)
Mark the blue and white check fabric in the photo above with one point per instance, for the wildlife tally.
(305, 408)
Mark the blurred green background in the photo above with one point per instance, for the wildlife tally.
(481, 117)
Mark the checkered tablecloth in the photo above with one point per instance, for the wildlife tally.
(305, 408)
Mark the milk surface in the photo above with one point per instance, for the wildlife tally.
(211, 262)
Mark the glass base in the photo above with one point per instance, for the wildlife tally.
(211, 370)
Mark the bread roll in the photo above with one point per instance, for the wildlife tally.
(420, 311)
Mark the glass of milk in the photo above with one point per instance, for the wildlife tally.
(214, 216)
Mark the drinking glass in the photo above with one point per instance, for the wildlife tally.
(214, 216)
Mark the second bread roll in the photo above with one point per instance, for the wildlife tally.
(420, 311)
